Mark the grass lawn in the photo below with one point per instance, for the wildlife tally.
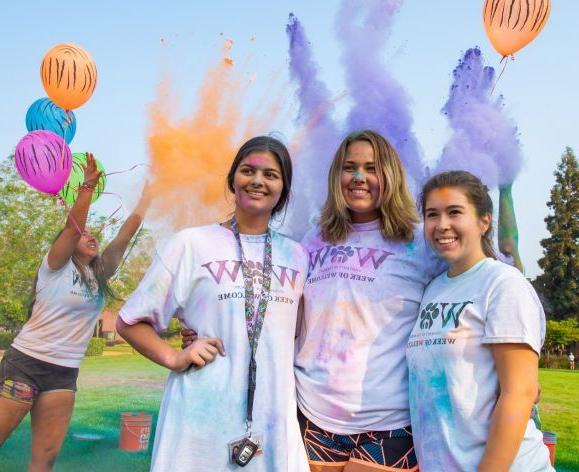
(559, 410)
(107, 387)
(113, 384)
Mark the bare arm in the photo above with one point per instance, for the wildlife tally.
(145, 339)
(518, 370)
(114, 252)
(63, 248)
(508, 230)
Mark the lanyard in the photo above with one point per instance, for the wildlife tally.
(254, 317)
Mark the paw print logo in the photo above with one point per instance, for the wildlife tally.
(341, 253)
(256, 271)
(428, 315)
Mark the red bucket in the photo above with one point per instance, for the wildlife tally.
(135, 431)
(550, 440)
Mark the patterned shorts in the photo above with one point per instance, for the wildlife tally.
(23, 378)
(384, 450)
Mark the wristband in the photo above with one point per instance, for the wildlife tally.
(86, 187)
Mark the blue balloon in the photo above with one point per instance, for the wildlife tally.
(44, 114)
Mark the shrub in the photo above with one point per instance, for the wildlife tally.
(95, 347)
(173, 329)
(6, 339)
(554, 362)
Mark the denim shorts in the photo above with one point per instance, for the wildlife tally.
(23, 378)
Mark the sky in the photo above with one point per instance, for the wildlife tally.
(137, 45)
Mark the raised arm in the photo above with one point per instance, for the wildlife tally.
(62, 249)
(518, 371)
(114, 252)
(508, 230)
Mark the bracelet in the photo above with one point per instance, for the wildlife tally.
(86, 187)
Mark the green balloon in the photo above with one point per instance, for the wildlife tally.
(70, 190)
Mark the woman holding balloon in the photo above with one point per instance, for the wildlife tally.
(38, 372)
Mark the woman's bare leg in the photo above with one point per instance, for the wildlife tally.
(11, 414)
(50, 416)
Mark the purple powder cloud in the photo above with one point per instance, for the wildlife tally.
(484, 140)
(380, 101)
(322, 134)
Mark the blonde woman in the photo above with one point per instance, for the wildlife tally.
(368, 269)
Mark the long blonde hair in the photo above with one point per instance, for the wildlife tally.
(397, 209)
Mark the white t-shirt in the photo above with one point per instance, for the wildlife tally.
(453, 380)
(63, 317)
(361, 300)
(198, 274)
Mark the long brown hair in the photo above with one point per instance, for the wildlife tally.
(476, 193)
(97, 268)
(397, 210)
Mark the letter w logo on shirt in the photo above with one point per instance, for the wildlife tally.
(76, 278)
(283, 276)
(362, 259)
(222, 267)
(450, 314)
(319, 257)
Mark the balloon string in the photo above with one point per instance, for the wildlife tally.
(135, 240)
(69, 214)
(67, 123)
(127, 170)
(502, 71)
(110, 217)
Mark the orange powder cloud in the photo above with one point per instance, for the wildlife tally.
(190, 156)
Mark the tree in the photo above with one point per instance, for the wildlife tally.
(560, 334)
(132, 268)
(558, 282)
(29, 221)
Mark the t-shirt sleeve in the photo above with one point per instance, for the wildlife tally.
(514, 314)
(46, 274)
(165, 287)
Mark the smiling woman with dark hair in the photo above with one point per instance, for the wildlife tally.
(473, 354)
(230, 398)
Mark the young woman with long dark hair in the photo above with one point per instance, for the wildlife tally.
(38, 372)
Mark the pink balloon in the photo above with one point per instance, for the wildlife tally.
(43, 160)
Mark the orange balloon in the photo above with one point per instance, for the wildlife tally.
(69, 75)
(512, 24)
